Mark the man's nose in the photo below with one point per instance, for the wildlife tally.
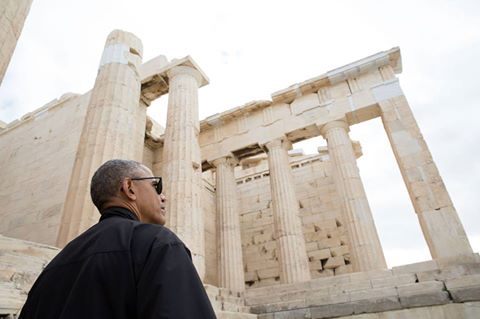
(163, 198)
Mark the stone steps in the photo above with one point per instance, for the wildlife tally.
(234, 315)
(228, 304)
(418, 285)
(20, 264)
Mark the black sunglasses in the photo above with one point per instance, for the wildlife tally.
(158, 186)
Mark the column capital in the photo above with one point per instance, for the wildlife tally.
(225, 160)
(334, 124)
(185, 70)
(281, 142)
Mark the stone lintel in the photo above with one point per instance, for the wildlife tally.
(157, 66)
(233, 113)
(357, 149)
(303, 133)
(254, 159)
(155, 78)
(153, 133)
(247, 151)
(390, 57)
(153, 142)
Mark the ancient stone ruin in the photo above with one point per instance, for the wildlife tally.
(274, 233)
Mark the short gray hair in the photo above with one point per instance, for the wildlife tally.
(107, 179)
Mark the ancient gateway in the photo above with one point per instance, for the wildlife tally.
(274, 233)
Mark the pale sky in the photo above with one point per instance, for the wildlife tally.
(250, 49)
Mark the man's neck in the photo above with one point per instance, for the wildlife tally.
(118, 202)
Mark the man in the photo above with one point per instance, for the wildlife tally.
(126, 266)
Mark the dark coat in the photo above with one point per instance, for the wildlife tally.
(123, 269)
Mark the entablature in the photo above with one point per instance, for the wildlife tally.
(242, 132)
(154, 76)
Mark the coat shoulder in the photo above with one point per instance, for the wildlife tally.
(154, 234)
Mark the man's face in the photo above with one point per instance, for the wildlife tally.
(151, 206)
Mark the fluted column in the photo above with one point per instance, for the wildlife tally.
(111, 118)
(365, 247)
(182, 163)
(12, 18)
(139, 132)
(230, 262)
(287, 223)
(441, 226)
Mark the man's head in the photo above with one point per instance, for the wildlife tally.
(118, 183)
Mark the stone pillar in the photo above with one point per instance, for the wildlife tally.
(12, 18)
(365, 248)
(182, 169)
(230, 265)
(438, 218)
(287, 222)
(108, 130)
(139, 132)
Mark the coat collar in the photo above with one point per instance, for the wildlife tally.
(119, 212)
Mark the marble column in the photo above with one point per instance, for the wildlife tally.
(230, 262)
(182, 169)
(12, 18)
(139, 131)
(441, 226)
(365, 248)
(108, 130)
(287, 222)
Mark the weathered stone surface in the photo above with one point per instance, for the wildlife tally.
(234, 315)
(394, 281)
(423, 294)
(430, 265)
(449, 272)
(334, 262)
(12, 19)
(332, 310)
(20, 264)
(465, 288)
(376, 304)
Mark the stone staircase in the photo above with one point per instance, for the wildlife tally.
(20, 264)
(228, 304)
(441, 288)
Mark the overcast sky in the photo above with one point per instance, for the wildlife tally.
(250, 49)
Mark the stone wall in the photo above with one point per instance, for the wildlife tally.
(210, 217)
(37, 154)
(327, 246)
(20, 264)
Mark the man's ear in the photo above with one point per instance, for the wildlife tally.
(127, 189)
